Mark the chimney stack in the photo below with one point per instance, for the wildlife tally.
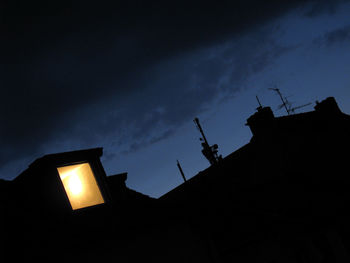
(328, 106)
(260, 121)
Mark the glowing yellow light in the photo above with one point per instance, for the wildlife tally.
(74, 184)
(80, 185)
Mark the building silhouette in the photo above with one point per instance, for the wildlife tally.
(282, 197)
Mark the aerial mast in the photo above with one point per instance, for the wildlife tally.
(210, 152)
(199, 127)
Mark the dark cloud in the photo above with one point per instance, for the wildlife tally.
(323, 7)
(334, 37)
(178, 89)
(135, 146)
(88, 71)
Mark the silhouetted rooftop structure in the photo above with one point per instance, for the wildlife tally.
(287, 184)
(282, 197)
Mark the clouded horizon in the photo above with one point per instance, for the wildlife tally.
(131, 78)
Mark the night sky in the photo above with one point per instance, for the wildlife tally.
(130, 77)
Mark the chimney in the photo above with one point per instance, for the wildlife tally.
(260, 121)
(327, 106)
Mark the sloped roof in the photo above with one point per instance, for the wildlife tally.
(236, 168)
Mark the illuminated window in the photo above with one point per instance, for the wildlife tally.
(80, 185)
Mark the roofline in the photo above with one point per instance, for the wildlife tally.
(72, 156)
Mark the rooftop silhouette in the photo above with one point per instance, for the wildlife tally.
(282, 197)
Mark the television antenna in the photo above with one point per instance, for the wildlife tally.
(286, 103)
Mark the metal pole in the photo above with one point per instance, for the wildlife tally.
(258, 101)
(182, 172)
